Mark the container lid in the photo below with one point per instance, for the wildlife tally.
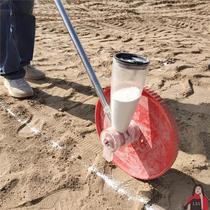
(132, 60)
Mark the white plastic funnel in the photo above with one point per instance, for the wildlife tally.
(128, 79)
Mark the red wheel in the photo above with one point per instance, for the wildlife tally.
(155, 153)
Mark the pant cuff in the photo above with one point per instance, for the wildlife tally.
(15, 75)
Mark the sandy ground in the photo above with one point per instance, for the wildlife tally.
(48, 143)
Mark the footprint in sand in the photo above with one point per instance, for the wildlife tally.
(32, 128)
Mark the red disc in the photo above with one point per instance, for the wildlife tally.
(151, 156)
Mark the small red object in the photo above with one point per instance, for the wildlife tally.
(153, 154)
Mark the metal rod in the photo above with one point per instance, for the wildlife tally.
(83, 56)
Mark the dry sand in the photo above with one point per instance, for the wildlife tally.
(38, 174)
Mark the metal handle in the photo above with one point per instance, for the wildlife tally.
(83, 56)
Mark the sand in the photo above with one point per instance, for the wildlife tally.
(47, 143)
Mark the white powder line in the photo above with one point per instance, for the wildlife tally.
(34, 130)
(114, 184)
(117, 186)
(55, 145)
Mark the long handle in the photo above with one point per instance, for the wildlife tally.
(83, 56)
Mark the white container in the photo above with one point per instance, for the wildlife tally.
(128, 79)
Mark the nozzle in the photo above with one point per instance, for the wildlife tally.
(112, 140)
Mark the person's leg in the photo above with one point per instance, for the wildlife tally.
(25, 29)
(23, 9)
(17, 29)
(9, 55)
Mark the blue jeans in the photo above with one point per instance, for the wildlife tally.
(17, 34)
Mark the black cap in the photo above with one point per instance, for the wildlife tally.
(130, 59)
